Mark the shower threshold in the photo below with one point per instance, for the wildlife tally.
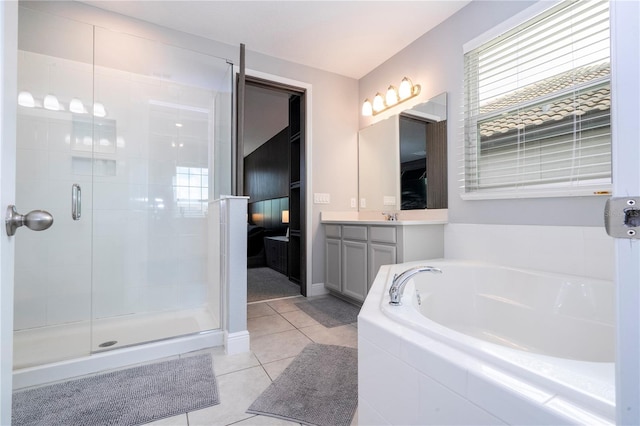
(43, 345)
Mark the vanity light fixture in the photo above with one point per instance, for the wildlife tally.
(51, 102)
(405, 91)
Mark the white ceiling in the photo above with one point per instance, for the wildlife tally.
(348, 37)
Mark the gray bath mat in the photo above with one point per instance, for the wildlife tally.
(133, 396)
(330, 311)
(319, 387)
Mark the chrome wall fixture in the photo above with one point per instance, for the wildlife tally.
(393, 97)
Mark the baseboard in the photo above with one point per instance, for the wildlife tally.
(236, 343)
(317, 289)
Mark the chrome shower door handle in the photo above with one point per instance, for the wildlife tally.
(76, 201)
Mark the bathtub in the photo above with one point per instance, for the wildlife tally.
(485, 344)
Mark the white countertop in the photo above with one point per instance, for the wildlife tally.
(405, 218)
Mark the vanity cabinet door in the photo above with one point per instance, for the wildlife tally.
(354, 269)
(333, 260)
(379, 254)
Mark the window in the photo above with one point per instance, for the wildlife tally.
(191, 191)
(537, 107)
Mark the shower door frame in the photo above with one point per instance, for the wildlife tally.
(8, 117)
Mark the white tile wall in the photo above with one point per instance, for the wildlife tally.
(132, 249)
(573, 250)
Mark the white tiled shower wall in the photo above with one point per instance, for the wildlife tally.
(147, 255)
(576, 250)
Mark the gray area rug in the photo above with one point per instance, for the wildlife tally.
(330, 311)
(265, 284)
(319, 387)
(133, 396)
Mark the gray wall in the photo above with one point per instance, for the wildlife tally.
(435, 61)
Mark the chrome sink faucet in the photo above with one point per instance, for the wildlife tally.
(400, 281)
(390, 216)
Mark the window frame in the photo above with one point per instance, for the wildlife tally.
(558, 189)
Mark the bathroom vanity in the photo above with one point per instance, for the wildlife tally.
(355, 250)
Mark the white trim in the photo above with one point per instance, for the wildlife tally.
(535, 193)
(237, 343)
(509, 24)
(8, 96)
(116, 358)
(308, 136)
(318, 289)
(625, 152)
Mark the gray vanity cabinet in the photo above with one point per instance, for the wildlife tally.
(354, 253)
(382, 249)
(354, 261)
(333, 258)
(346, 245)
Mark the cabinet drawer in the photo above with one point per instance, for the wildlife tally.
(354, 232)
(383, 234)
(332, 231)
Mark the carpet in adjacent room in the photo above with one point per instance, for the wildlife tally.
(266, 283)
(132, 396)
(319, 387)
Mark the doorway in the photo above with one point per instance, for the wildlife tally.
(273, 179)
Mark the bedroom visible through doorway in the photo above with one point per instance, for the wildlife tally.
(272, 158)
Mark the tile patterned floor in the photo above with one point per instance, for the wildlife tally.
(279, 331)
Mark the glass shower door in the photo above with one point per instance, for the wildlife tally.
(153, 155)
(52, 296)
(116, 139)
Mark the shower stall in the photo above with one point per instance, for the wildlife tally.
(125, 141)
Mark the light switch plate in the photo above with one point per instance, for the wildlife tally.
(321, 198)
(389, 200)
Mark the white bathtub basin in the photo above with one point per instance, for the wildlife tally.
(488, 345)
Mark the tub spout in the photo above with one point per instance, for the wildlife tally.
(399, 282)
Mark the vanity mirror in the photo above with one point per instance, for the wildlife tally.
(402, 161)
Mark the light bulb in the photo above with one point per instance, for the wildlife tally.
(25, 99)
(367, 109)
(76, 106)
(51, 103)
(406, 89)
(98, 110)
(391, 97)
(378, 103)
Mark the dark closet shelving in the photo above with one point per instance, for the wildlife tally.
(296, 193)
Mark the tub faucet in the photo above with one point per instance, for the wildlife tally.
(399, 282)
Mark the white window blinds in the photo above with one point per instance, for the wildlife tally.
(537, 105)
